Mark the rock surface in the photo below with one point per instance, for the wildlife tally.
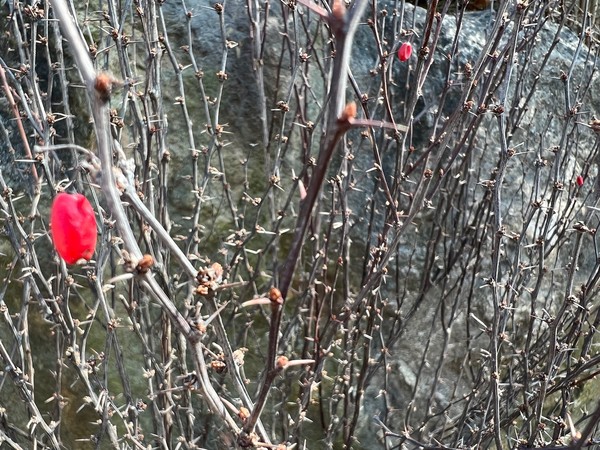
(550, 146)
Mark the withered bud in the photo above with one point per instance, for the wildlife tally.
(209, 278)
(243, 413)
(275, 296)
(349, 112)
(498, 110)
(595, 125)
(238, 356)
(283, 106)
(145, 263)
(218, 366)
(103, 86)
(468, 70)
(338, 10)
(281, 362)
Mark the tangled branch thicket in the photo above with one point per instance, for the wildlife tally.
(303, 242)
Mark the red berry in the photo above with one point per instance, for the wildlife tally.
(579, 180)
(73, 226)
(404, 51)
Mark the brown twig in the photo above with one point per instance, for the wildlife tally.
(17, 116)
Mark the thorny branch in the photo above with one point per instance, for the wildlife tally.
(277, 265)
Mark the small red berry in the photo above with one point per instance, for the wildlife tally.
(73, 226)
(404, 51)
(580, 180)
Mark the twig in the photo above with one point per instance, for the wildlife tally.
(99, 109)
(17, 116)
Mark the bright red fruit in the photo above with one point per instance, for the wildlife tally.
(579, 180)
(73, 226)
(404, 51)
